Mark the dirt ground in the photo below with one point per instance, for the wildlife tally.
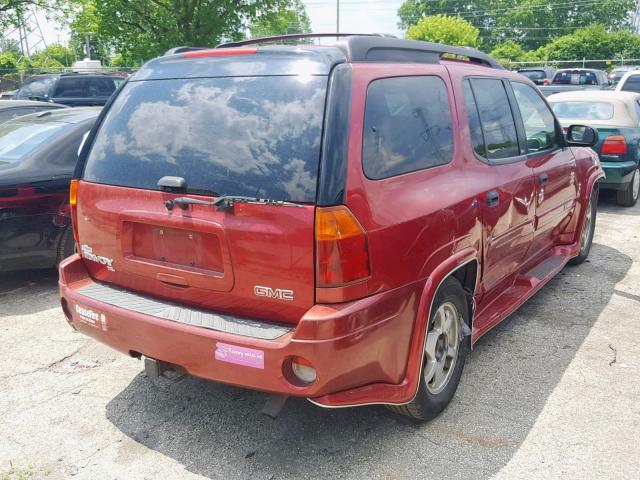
(553, 392)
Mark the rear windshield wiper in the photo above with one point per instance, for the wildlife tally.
(225, 202)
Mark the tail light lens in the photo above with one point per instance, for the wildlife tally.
(545, 81)
(73, 205)
(342, 253)
(614, 145)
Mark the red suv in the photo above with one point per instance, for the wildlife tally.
(339, 223)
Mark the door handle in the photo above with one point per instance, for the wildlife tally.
(543, 178)
(493, 198)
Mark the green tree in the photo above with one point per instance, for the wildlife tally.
(8, 61)
(509, 51)
(55, 52)
(445, 29)
(141, 29)
(530, 22)
(289, 18)
(593, 42)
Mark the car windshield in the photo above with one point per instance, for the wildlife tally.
(252, 136)
(533, 74)
(575, 77)
(37, 88)
(583, 110)
(19, 138)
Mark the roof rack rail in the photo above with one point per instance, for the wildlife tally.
(374, 47)
(294, 36)
(174, 50)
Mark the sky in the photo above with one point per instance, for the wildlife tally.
(356, 16)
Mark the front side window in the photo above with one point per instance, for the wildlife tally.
(539, 123)
(407, 126)
(100, 87)
(498, 126)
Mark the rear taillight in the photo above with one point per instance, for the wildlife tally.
(614, 145)
(342, 254)
(73, 205)
(545, 81)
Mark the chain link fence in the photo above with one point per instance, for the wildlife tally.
(600, 64)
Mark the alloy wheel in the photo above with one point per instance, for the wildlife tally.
(441, 347)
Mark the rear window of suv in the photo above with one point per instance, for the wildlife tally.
(253, 136)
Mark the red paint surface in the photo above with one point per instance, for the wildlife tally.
(419, 226)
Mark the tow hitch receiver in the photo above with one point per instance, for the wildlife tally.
(274, 405)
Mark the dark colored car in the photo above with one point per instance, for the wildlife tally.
(538, 75)
(616, 117)
(338, 223)
(15, 108)
(71, 89)
(570, 79)
(38, 154)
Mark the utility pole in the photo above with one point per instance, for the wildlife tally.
(338, 16)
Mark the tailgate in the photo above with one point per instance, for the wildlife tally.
(254, 260)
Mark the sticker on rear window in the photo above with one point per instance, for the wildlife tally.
(247, 357)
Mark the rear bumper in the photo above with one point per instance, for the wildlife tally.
(352, 345)
(618, 174)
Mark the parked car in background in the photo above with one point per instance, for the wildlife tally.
(617, 73)
(38, 154)
(569, 79)
(319, 242)
(616, 116)
(538, 75)
(8, 94)
(15, 108)
(71, 89)
(630, 82)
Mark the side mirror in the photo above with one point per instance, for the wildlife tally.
(581, 136)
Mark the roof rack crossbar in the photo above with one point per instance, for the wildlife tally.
(294, 36)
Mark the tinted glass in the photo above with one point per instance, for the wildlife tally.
(69, 87)
(539, 124)
(475, 129)
(576, 77)
(100, 87)
(19, 138)
(407, 126)
(631, 84)
(534, 74)
(37, 88)
(583, 110)
(253, 136)
(497, 120)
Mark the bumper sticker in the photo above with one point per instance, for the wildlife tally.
(91, 317)
(247, 357)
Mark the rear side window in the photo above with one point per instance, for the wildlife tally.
(498, 126)
(475, 128)
(534, 74)
(252, 136)
(69, 87)
(407, 126)
(100, 87)
(631, 84)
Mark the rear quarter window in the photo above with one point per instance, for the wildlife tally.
(407, 126)
(252, 136)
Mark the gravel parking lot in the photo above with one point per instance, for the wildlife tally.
(551, 393)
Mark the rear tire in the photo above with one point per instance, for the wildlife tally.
(629, 196)
(66, 246)
(445, 351)
(588, 230)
